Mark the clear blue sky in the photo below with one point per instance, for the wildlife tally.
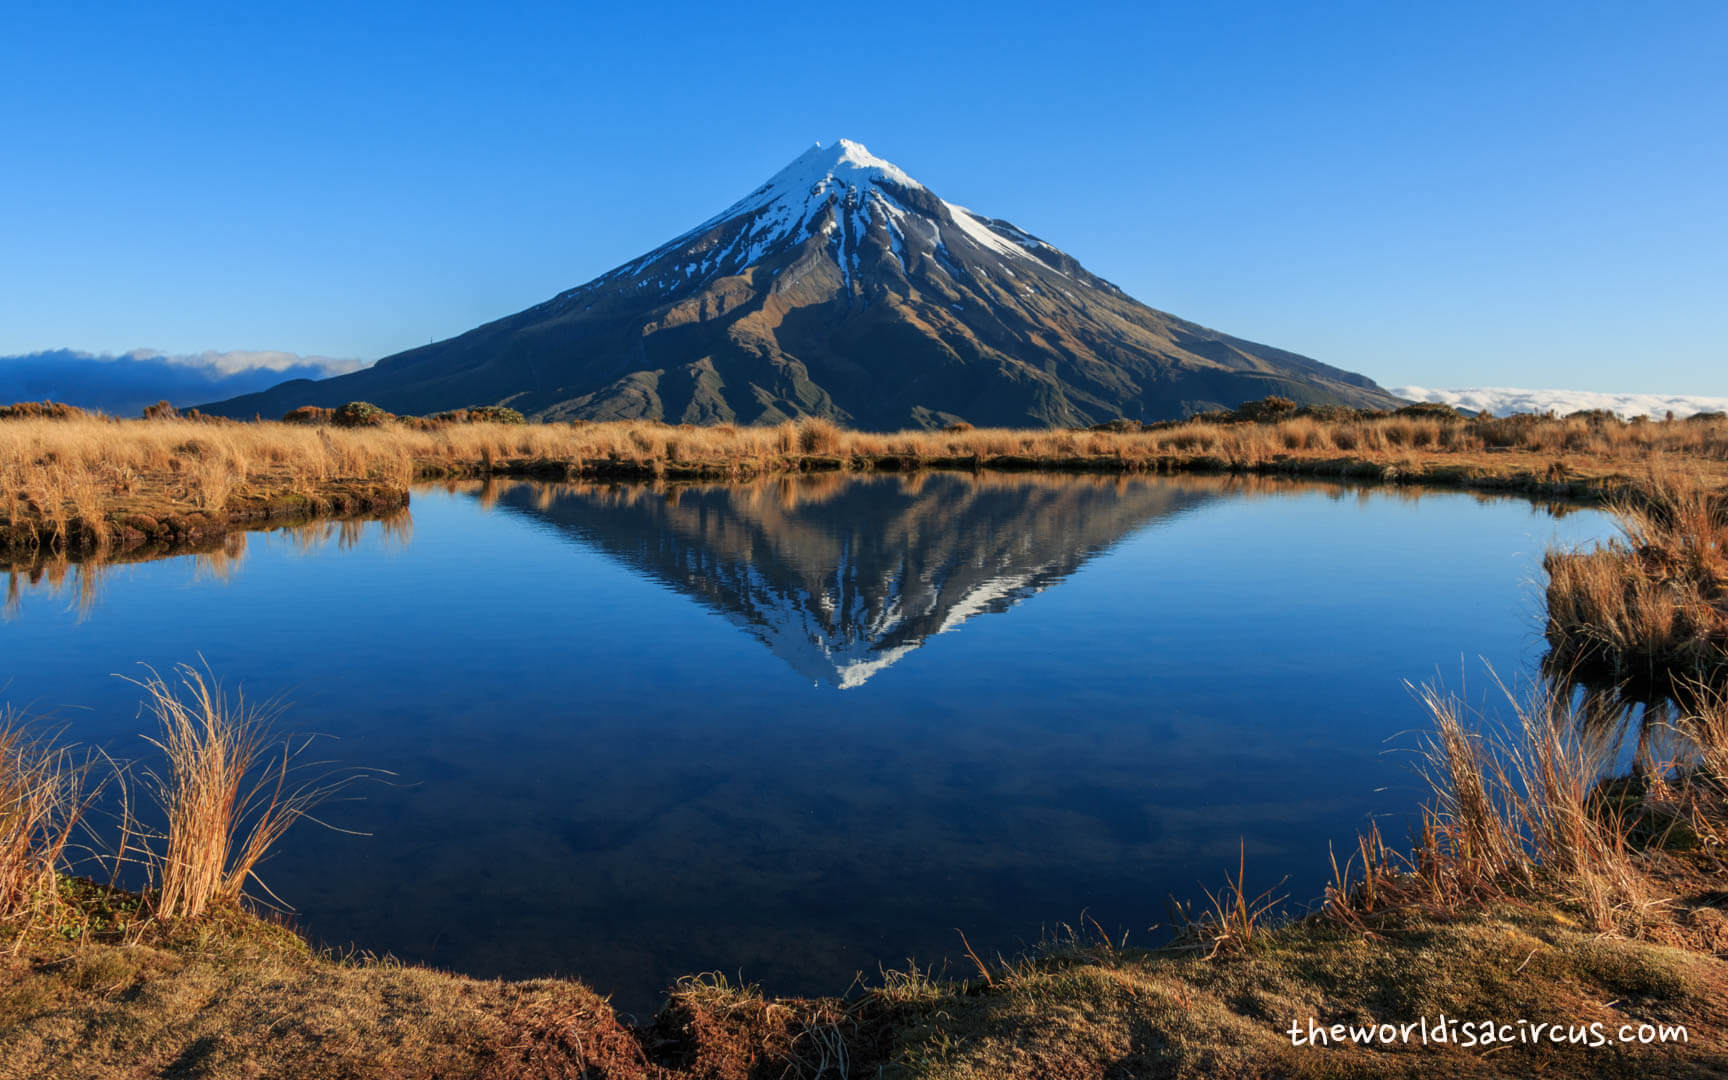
(1468, 194)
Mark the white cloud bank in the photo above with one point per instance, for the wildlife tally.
(238, 360)
(1504, 400)
(124, 384)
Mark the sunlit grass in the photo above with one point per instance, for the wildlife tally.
(1651, 608)
(79, 477)
(229, 790)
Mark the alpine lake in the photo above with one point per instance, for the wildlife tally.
(797, 729)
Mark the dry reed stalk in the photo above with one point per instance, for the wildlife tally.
(1233, 920)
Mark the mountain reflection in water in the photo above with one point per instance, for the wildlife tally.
(842, 576)
(594, 775)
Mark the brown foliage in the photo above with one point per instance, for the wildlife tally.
(1651, 609)
(41, 410)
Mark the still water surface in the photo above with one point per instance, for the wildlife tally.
(799, 728)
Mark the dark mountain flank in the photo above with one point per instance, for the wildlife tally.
(845, 289)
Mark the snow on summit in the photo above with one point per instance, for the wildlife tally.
(844, 162)
(835, 191)
(842, 168)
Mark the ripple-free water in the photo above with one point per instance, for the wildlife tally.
(799, 728)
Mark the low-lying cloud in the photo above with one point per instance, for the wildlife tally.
(235, 361)
(123, 384)
(1505, 400)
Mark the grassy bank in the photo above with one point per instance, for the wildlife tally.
(79, 484)
(1649, 610)
(233, 996)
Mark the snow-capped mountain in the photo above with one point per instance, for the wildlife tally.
(842, 288)
(842, 579)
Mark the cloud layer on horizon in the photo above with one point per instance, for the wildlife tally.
(1504, 400)
(235, 361)
(124, 384)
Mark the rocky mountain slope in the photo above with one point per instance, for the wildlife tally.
(840, 288)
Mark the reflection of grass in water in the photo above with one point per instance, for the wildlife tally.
(223, 563)
(83, 581)
(791, 491)
(217, 562)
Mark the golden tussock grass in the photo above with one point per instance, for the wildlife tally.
(44, 796)
(79, 481)
(226, 791)
(1534, 809)
(229, 789)
(1651, 608)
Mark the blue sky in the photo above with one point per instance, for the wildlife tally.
(1452, 194)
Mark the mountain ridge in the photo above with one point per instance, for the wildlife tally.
(845, 289)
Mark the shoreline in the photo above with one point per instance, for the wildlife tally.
(157, 522)
(231, 990)
(136, 536)
(76, 485)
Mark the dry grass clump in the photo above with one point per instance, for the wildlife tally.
(1704, 729)
(44, 796)
(1232, 920)
(41, 410)
(1536, 810)
(229, 791)
(818, 436)
(1522, 812)
(1651, 609)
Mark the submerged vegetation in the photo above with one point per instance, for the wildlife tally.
(82, 484)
